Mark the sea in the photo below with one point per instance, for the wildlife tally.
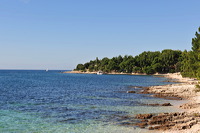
(36, 101)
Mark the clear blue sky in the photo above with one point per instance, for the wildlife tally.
(59, 34)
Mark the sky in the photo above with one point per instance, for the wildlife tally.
(59, 34)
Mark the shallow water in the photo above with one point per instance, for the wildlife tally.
(39, 101)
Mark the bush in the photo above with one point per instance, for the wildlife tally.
(197, 88)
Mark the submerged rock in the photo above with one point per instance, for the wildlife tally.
(166, 104)
(143, 116)
(156, 104)
(142, 125)
(131, 92)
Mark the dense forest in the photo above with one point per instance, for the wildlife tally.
(166, 61)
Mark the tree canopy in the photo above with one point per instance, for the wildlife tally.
(166, 61)
(147, 62)
(191, 59)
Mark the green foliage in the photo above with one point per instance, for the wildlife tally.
(148, 70)
(191, 60)
(169, 59)
(80, 67)
(197, 88)
(189, 65)
(178, 67)
(137, 70)
(146, 62)
(186, 62)
(157, 67)
(196, 41)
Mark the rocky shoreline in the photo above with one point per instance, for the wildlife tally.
(179, 122)
(168, 121)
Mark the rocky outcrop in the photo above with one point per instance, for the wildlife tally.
(190, 105)
(131, 91)
(143, 116)
(166, 121)
(189, 121)
(142, 124)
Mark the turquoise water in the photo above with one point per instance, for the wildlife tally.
(41, 102)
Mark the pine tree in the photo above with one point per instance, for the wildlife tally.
(196, 42)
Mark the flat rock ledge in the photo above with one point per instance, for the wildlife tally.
(156, 104)
(161, 94)
(166, 121)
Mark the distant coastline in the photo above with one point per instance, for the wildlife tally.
(110, 73)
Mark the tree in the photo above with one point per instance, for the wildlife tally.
(196, 49)
(112, 65)
(198, 70)
(191, 60)
(137, 69)
(127, 65)
(196, 42)
(157, 67)
(149, 70)
(86, 65)
(169, 59)
(80, 67)
(104, 64)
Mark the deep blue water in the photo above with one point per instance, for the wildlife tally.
(53, 98)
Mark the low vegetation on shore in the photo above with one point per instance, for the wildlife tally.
(166, 61)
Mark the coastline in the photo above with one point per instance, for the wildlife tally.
(110, 73)
(79, 72)
(180, 122)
